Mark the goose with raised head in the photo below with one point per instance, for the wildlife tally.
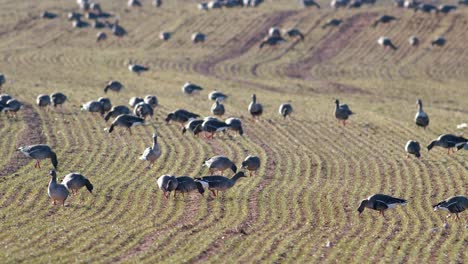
(58, 99)
(447, 141)
(116, 111)
(342, 112)
(255, 109)
(454, 205)
(190, 88)
(117, 30)
(180, 116)
(75, 181)
(56, 191)
(217, 108)
(219, 163)
(151, 154)
(113, 85)
(43, 100)
(412, 147)
(234, 124)
(421, 118)
(167, 184)
(218, 183)
(187, 184)
(251, 163)
(285, 110)
(126, 121)
(381, 203)
(39, 152)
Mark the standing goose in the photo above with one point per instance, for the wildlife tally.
(143, 110)
(93, 107)
(190, 88)
(380, 202)
(137, 68)
(39, 152)
(56, 191)
(421, 118)
(342, 112)
(152, 153)
(383, 19)
(386, 42)
(43, 100)
(454, 205)
(447, 141)
(274, 32)
(126, 121)
(75, 181)
(106, 103)
(113, 85)
(187, 184)
(192, 125)
(332, 23)
(164, 35)
(219, 163)
(116, 111)
(216, 95)
(167, 184)
(152, 100)
(134, 3)
(211, 125)
(180, 116)
(134, 101)
(285, 110)
(217, 108)
(220, 183)
(251, 163)
(413, 147)
(294, 33)
(157, 3)
(198, 37)
(58, 99)
(439, 41)
(235, 124)
(4, 98)
(12, 106)
(117, 30)
(255, 108)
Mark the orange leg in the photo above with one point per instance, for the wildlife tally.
(214, 193)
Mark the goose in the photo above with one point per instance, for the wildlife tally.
(48, 15)
(152, 153)
(421, 118)
(137, 68)
(454, 205)
(198, 37)
(157, 3)
(386, 42)
(426, 8)
(135, 100)
(43, 100)
(56, 191)
(251, 163)
(202, 6)
(274, 32)
(413, 41)
(211, 126)
(410, 4)
(164, 35)
(187, 184)
(383, 19)
(255, 109)
(100, 36)
(75, 181)
(380, 202)
(4, 98)
(218, 183)
(93, 107)
(39, 152)
(235, 124)
(113, 85)
(143, 110)
(413, 147)
(180, 116)
(117, 30)
(463, 2)
(116, 111)
(271, 41)
(217, 108)
(338, 3)
(78, 23)
(252, 3)
(106, 103)
(294, 33)
(332, 23)
(190, 88)
(58, 99)
(342, 112)
(215, 4)
(310, 3)
(355, 4)
(285, 110)
(127, 121)
(439, 41)
(445, 9)
(2, 79)
(216, 95)
(91, 16)
(152, 100)
(447, 141)
(167, 184)
(192, 125)
(12, 106)
(96, 7)
(219, 163)
(134, 3)
(73, 16)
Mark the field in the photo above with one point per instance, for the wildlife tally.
(301, 207)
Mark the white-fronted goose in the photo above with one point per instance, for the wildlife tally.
(38, 153)
(106, 103)
(152, 100)
(56, 191)
(454, 205)
(285, 110)
(93, 107)
(219, 163)
(12, 106)
(198, 37)
(216, 95)
(58, 99)
(421, 118)
(152, 153)
(164, 35)
(439, 41)
(413, 41)
(217, 108)
(220, 183)
(190, 88)
(192, 125)
(251, 163)
(126, 121)
(413, 147)
(143, 110)
(113, 85)
(116, 111)
(134, 101)
(332, 23)
(137, 68)
(187, 184)
(255, 109)
(447, 141)
(180, 116)
(75, 181)
(383, 19)
(386, 42)
(380, 202)
(167, 184)
(342, 112)
(235, 124)
(43, 100)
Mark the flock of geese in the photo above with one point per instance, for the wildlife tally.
(143, 108)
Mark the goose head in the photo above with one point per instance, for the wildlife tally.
(362, 205)
(169, 117)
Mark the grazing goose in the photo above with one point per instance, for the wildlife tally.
(386, 42)
(309, 3)
(187, 184)
(355, 4)
(219, 163)
(192, 125)
(220, 183)
(421, 118)
(274, 32)
(116, 111)
(143, 110)
(78, 23)
(4, 98)
(216, 95)
(342, 112)
(2, 79)
(106, 103)
(235, 124)
(167, 184)
(75, 181)
(454, 205)
(338, 3)
(134, 3)
(180, 116)
(198, 37)
(255, 109)
(426, 8)
(445, 9)
(39, 152)
(271, 41)
(126, 121)
(113, 85)
(217, 108)
(294, 33)
(137, 68)
(152, 100)
(447, 141)
(48, 15)
(93, 107)
(215, 4)
(439, 41)
(116, 29)
(56, 191)
(383, 19)
(43, 100)
(413, 147)
(380, 202)
(410, 4)
(251, 163)
(413, 41)
(157, 3)
(73, 16)
(190, 88)
(91, 16)
(164, 35)
(135, 100)
(211, 126)
(100, 36)
(152, 153)
(332, 23)
(285, 110)
(12, 106)
(58, 99)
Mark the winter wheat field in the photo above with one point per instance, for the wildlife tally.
(301, 207)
